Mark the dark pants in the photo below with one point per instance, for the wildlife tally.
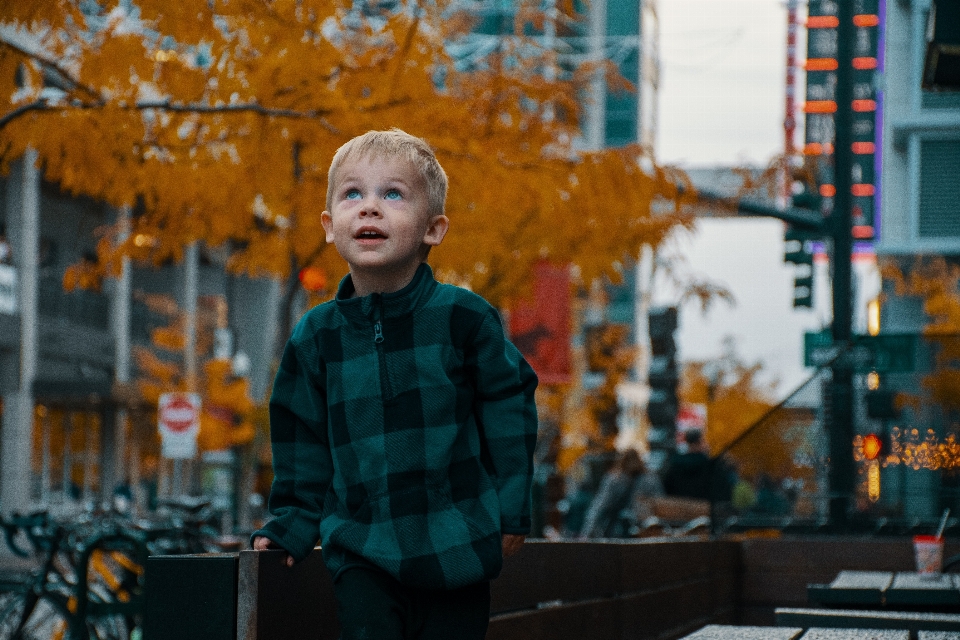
(373, 606)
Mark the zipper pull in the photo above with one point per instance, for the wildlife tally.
(377, 333)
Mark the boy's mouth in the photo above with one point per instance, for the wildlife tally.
(369, 233)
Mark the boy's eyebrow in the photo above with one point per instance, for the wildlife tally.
(346, 179)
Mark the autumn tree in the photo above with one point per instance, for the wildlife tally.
(227, 414)
(738, 402)
(934, 281)
(215, 121)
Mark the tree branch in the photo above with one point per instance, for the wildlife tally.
(165, 105)
(39, 105)
(404, 52)
(51, 65)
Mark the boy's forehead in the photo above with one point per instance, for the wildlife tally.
(359, 164)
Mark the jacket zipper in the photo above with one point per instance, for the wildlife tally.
(385, 391)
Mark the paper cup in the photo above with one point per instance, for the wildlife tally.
(929, 554)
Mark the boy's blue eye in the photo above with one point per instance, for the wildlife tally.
(393, 194)
(352, 194)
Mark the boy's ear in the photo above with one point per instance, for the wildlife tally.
(436, 230)
(327, 221)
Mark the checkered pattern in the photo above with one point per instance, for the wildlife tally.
(403, 427)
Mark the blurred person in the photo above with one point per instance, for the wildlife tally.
(694, 474)
(688, 473)
(646, 489)
(583, 481)
(625, 488)
(402, 420)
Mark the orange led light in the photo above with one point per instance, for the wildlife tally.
(813, 149)
(820, 106)
(862, 190)
(862, 106)
(828, 190)
(313, 279)
(862, 232)
(862, 148)
(866, 20)
(821, 64)
(871, 446)
(823, 22)
(864, 63)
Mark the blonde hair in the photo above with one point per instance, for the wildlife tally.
(396, 143)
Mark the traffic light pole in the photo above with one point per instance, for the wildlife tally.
(839, 395)
(840, 406)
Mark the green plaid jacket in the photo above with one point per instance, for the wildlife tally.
(403, 427)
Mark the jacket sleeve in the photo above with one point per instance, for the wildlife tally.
(507, 415)
(302, 464)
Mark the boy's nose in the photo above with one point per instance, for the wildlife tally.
(370, 207)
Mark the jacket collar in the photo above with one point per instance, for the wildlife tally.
(386, 305)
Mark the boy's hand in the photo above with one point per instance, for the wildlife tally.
(261, 543)
(512, 544)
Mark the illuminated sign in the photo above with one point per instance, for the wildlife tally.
(821, 105)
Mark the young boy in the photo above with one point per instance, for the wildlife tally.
(402, 420)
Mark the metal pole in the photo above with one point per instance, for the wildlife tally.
(66, 480)
(16, 454)
(191, 264)
(114, 442)
(840, 414)
(597, 108)
(45, 457)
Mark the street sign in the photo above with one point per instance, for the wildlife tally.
(818, 349)
(892, 353)
(885, 353)
(178, 418)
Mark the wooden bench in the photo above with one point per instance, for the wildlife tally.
(724, 632)
(728, 632)
(549, 591)
(889, 589)
(912, 621)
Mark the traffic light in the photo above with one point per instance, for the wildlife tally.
(797, 250)
(797, 244)
(872, 446)
(805, 194)
(663, 377)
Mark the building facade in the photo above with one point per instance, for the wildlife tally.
(918, 217)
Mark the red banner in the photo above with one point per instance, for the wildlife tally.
(540, 327)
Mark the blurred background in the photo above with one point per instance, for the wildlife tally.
(731, 259)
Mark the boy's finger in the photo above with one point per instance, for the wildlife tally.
(289, 560)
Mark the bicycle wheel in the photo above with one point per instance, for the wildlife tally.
(11, 609)
(43, 620)
(108, 628)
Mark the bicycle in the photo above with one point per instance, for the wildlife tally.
(88, 584)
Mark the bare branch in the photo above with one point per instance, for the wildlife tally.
(51, 65)
(251, 107)
(39, 105)
(164, 105)
(404, 52)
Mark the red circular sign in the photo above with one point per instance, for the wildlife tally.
(178, 414)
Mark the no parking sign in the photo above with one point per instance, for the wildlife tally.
(179, 423)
